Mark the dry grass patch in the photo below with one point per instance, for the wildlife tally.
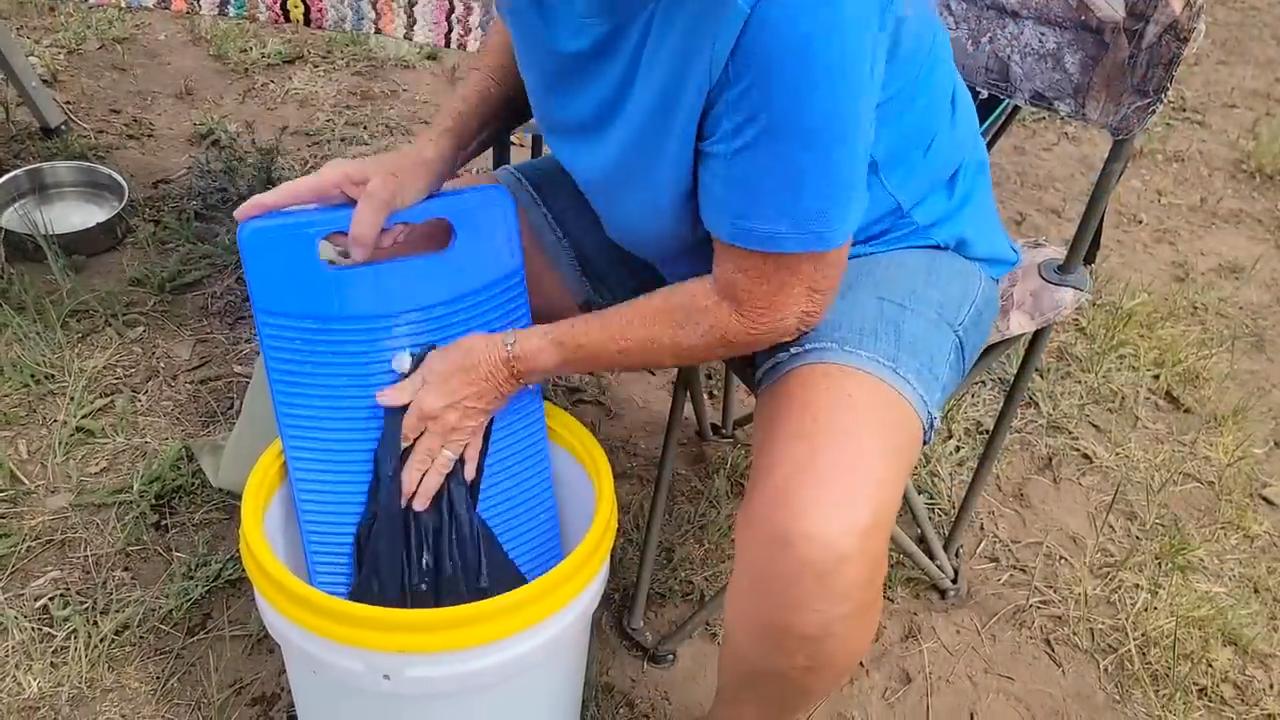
(249, 47)
(1173, 593)
(112, 544)
(607, 701)
(54, 31)
(1264, 152)
(696, 549)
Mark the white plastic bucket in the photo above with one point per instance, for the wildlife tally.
(522, 654)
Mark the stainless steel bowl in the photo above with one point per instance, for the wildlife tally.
(74, 204)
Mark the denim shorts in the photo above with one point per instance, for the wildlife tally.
(915, 319)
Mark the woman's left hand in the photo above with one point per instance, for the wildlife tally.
(451, 397)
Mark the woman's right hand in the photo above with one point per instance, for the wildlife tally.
(379, 185)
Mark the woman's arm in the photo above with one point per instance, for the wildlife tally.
(488, 103)
(750, 301)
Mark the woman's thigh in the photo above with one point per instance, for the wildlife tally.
(564, 232)
(551, 293)
(914, 319)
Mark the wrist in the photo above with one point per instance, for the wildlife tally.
(494, 365)
(530, 354)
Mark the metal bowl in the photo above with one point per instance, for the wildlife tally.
(74, 204)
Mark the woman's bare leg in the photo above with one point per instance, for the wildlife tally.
(834, 448)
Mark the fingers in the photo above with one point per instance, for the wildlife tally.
(471, 456)
(444, 461)
(372, 209)
(318, 187)
(401, 394)
(425, 470)
(415, 469)
(392, 235)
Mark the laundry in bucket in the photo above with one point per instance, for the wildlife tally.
(444, 555)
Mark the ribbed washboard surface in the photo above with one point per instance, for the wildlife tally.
(328, 335)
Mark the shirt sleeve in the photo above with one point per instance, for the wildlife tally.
(785, 141)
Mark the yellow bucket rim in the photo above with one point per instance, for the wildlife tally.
(436, 629)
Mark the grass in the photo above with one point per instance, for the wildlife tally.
(187, 228)
(144, 503)
(79, 626)
(573, 391)
(55, 31)
(1264, 151)
(79, 607)
(244, 47)
(112, 544)
(80, 27)
(1172, 594)
(248, 48)
(696, 551)
(609, 702)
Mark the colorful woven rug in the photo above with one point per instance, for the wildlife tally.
(455, 24)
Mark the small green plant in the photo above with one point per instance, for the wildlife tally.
(243, 46)
(79, 27)
(1264, 153)
(165, 481)
(197, 575)
(188, 228)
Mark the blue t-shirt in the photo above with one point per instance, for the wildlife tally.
(773, 125)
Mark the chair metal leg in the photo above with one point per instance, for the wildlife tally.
(912, 552)
(1001, 127)
(1096, 207)
(989, 356)
(662, 652)
(665, 650)
(1070, 271)
(920, 514)
(698, 397)
(728, 406)
(633, 622)
(999, 433)
(500, 155)
(14, 66)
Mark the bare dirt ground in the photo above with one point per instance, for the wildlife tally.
(1124, 563)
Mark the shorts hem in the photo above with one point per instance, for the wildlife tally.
(829, 353)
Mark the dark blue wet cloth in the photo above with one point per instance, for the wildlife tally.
(442, 556)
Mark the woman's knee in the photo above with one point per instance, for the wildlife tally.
(842, 554)
(805, 601)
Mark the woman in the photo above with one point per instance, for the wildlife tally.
(731, 177)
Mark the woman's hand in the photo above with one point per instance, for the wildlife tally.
(379, 184)
(451, 397)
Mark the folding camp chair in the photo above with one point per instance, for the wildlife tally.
(23, 77)
(1108, 63)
